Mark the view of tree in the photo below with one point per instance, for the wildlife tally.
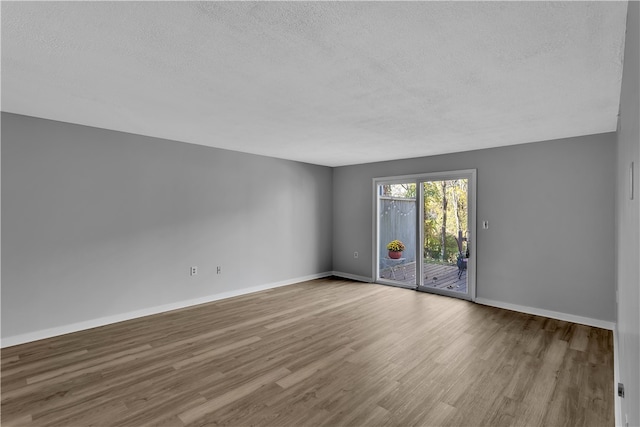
(405, 191)
(443, 200)
(443, 227)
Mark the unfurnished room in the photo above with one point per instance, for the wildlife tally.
(296, 213)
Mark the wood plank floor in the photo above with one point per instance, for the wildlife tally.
(328, 352)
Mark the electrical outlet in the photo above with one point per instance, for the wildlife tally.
(621, 390)
(355, 254)
(193, 271)
(219, 270)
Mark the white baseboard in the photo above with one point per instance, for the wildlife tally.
(548, 313)
(352, 277)
(107, 320)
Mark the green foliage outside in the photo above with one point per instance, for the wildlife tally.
(445, 206)
(440, 198)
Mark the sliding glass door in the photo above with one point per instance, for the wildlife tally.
(424, 232)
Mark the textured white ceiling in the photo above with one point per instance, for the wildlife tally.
(331, 83)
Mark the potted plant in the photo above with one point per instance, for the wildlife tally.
(395, 248)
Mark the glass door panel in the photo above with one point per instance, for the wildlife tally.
(396, 248)
(445, 235)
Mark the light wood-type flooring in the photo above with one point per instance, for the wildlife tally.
(327, 352)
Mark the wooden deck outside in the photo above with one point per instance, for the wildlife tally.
(436, 276)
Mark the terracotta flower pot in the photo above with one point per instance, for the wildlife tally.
(395, 254)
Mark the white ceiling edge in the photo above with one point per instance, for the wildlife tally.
(324, 83)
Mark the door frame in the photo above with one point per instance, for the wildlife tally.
(471, 175)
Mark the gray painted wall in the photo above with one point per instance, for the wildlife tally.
(550, 207)
(628, 223)
(96, 223)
